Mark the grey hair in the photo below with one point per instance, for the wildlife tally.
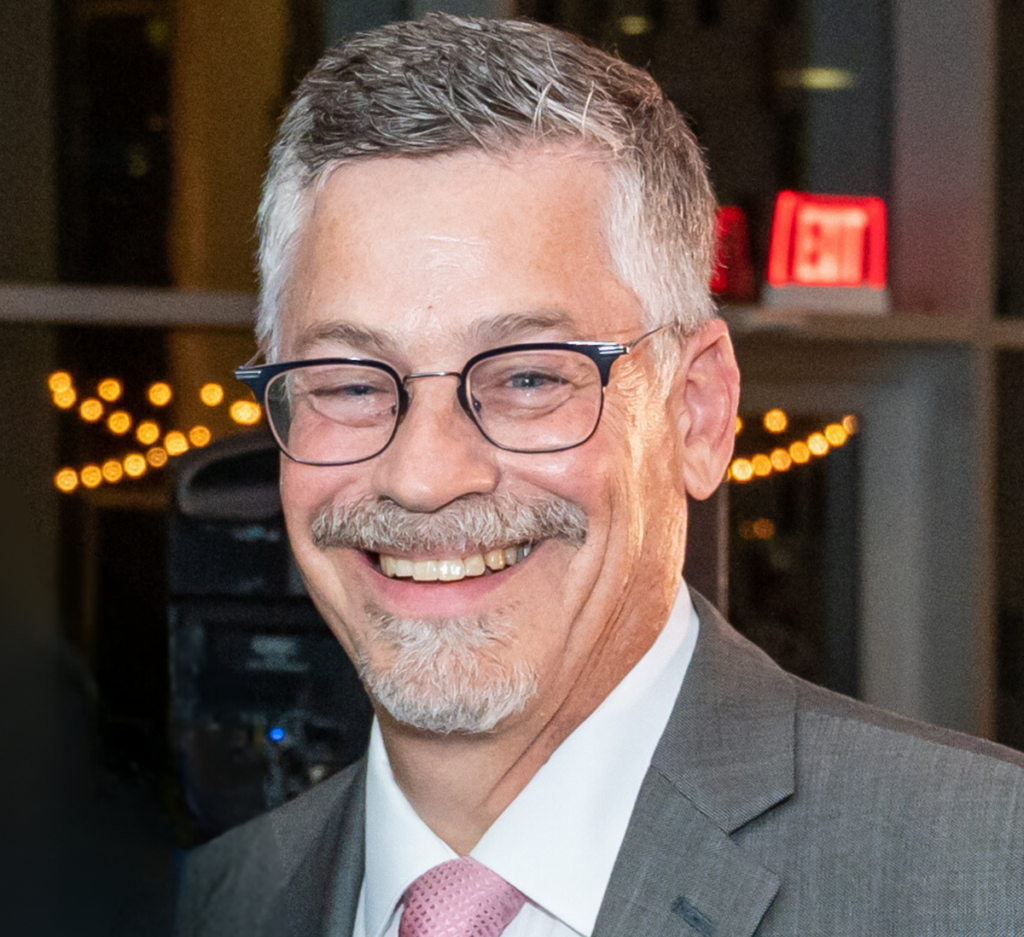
(445, 84)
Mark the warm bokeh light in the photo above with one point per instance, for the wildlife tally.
(59, 381)
(799, 452)
(119, 422)
(817, 443)
(763, 529)
(90, 410)
(739, 425)
(65, 399)
(147, 432)
(91, 476)
(850, 424)
(66, 480)
(159, 394)
(775, 421)
(635, 24)
(157, 457)
(109, 389)
(175, 443)
(246, 412)
(742, 470)
(761, 465)
(134, 464)
(199, 436)
(781, 460)
(211, 394)
(835, 434)
(112, 471)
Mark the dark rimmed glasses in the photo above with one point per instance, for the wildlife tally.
(535, 397)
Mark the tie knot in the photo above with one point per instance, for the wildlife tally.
(460, 898)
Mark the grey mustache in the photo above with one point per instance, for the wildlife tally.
(380, 525)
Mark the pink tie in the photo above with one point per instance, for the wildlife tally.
(460, 898)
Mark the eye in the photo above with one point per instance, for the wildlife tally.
(534, 380)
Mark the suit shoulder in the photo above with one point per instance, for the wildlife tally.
(229, 882)
(831, 717)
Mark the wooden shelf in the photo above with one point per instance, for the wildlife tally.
(897, 328)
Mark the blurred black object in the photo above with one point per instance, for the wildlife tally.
(265, 703)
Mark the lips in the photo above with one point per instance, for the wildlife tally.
(453, 568)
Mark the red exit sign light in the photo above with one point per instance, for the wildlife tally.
(828, 252)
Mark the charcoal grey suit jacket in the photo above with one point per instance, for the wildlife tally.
(771, 807)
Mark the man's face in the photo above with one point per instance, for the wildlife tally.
(422, 264)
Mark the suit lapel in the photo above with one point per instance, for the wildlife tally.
(726, 757)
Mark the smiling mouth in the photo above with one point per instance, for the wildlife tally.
(452, 569)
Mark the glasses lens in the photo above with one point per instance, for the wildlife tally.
(536, 401)
(329, 414)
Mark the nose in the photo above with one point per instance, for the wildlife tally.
(438, 454)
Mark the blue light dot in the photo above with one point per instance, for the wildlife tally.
(276, 734)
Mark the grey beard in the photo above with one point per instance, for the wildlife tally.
(443, 677)
(471, 522)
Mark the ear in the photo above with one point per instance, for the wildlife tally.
(703, 403)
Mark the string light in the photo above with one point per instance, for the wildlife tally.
(211, 394)
(818, 444)
(109, 389)
(134, 465)
(781, 460)
(59, 382)
(175, 443)
(742, 470)
(850, 424)
(246, 412)
(66, 480)
(799, 452)
(119, 422)
(91, 476)
(65, 399)
(112, 471)
(199, 436)
(147, 432)
(761, 465)
(159, 394)
(776, 421)
(739, 425)
(836, 434)
(90, 410)
(157, 456)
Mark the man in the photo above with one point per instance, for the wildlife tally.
(485, 254)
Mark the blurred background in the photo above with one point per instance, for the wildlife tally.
(162, 674)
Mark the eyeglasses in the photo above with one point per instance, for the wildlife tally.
(536, 397)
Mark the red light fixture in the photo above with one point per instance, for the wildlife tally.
(733, 275)
(828, 251)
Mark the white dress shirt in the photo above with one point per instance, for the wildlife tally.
(558, 840)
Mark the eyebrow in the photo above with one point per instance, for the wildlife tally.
(348, 333)
(490, 332)
(507, 326)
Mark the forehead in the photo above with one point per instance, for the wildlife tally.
(454, 252)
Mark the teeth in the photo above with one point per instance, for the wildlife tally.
(452, 570)
(425, 570)
(495, 559)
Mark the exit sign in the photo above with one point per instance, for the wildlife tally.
(828, 252)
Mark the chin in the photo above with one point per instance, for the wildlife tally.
(444, 675)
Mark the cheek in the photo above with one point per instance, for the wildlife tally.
(305, 489)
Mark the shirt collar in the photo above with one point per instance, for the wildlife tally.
(558, 840)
